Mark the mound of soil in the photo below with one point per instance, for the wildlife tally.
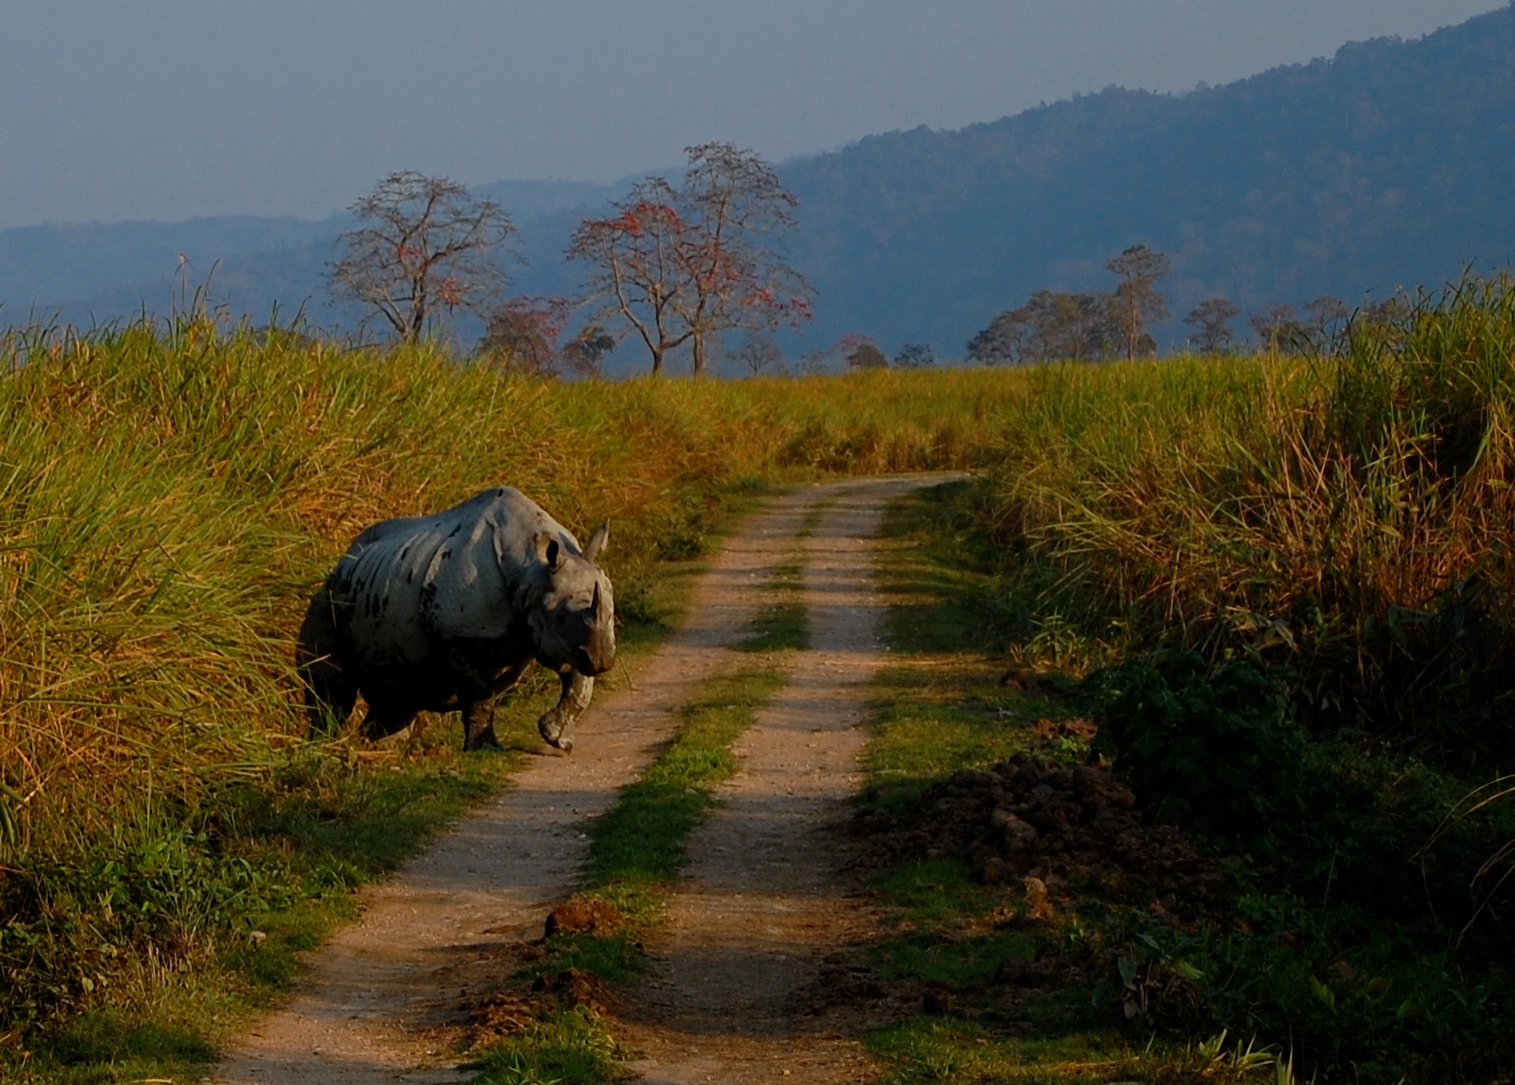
(1045, 824)
(583, 915)
(511, 1009)
(573, 987)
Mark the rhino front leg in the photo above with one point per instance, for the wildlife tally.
(556, 726)
(478, 726)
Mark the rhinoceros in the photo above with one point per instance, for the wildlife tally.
(443, 612)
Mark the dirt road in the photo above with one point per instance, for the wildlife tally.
(761, 903)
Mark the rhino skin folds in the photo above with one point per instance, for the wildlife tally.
(444, 612)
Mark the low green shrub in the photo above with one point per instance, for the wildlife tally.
(1207, 747)
(570, 1047)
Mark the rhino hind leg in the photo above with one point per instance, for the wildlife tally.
(556, 725)
(381, 722)
(330, 693)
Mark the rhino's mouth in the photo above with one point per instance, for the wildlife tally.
(592, 663)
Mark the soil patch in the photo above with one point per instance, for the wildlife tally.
(1056, 828)
(579, 915)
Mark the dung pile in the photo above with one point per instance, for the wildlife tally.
(583, 915)
(1033, 818)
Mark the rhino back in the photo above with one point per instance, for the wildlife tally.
(467, 573)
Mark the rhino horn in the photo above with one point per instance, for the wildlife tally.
(596, 545)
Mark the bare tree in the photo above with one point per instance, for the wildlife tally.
(1212, 319)
(1327, 318)
(424, 243)
(635, 268)
(1277, 328)
(1137, 300)
(738, 276)
(816, 361)
(915, 356)
(756, 353)
(585, 352)
(685, 265)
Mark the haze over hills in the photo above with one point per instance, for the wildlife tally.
(1390, 165)
(99, 272)
(1393, 164)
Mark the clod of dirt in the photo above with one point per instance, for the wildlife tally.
(937, 1000)
(583, 916)
(843, 981)
(571, 988)
(498, 1016)
(1077, 728)
(1037, 904)
(1035, 821)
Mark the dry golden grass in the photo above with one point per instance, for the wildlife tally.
(1347, 520)
(168, 502)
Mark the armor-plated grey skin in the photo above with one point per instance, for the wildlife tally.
(433, 613)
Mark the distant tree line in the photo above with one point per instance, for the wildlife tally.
(1089, 325)
(1095, 325)
(680, 267)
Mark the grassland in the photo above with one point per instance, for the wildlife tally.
(167, 503)
(1316, 551)
(1344, 521)
(1330, 952)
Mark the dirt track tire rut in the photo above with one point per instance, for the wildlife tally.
(765, 898)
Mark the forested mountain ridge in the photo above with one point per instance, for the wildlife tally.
(1388, 165)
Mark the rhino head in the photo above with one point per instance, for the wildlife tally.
(575, 621)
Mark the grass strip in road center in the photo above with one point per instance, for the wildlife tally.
(784, 623)
(639, 844)
(637, 848)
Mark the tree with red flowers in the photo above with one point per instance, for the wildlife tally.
(635, 268)
(683, 265)
(521, 336)
(424, 245)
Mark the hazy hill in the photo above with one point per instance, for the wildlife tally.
(1391, 164)
(53, 265)
(98, 271)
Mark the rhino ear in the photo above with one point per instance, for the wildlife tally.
(549, 551)
(596, 545)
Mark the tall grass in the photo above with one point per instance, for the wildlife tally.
(170, 498)
(1344, 520)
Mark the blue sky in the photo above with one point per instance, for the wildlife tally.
(167, 109)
